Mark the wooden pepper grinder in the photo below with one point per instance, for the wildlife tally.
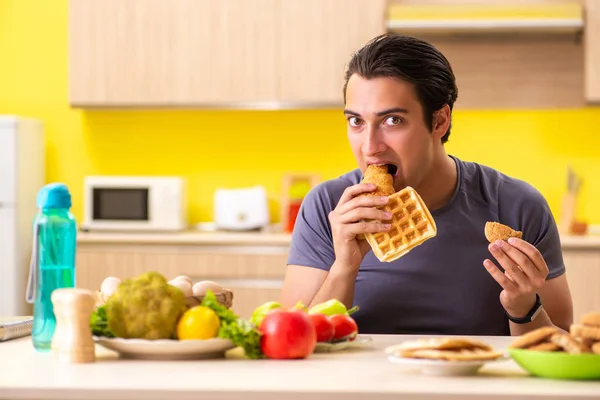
(72, 341)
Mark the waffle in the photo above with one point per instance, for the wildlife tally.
(455, 355)
(445, 348)
(411, 225)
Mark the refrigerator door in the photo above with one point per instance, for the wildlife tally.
(8, 155)
(12, 300)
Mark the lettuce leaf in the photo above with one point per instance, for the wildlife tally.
(99, 323)
(240, 331)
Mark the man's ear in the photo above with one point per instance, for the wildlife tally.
(441, 122)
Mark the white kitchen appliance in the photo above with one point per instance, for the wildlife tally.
(22, 175)
(135, 203)
(241, 209)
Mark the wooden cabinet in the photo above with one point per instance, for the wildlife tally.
(318, 38)
(583, 275)
(254, 273)
(592, 51)
(172, 53)
(226, 53)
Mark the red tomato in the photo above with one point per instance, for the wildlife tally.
(323, 327)
(287, 334)
(344, 326)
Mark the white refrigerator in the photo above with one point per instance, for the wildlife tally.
(22, 175)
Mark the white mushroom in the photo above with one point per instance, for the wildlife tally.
(202, 287)
(184, 278)
(185, 286)
(109, 286)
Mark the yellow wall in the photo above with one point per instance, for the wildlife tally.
(233, 148)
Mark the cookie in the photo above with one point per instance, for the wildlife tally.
(585, 332)
(569, 344)
(474, 354)
(596, 348)
(534, 337)
(544, 346)
(591, 319)
(496, 231)
(438, 343)
(587, 342)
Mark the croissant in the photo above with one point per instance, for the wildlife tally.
(379, 175)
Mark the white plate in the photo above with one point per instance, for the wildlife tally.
(330, 347)
(443, 367)
(166, 349)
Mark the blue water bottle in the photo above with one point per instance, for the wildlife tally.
(52, 261)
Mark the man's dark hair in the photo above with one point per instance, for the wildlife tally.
(412, 60)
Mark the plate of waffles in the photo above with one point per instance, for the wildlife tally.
(444, 356)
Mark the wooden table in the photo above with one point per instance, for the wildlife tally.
(352, 374)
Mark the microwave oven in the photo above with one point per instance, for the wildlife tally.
(135, 203)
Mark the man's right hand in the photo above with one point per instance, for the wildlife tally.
(348, 220)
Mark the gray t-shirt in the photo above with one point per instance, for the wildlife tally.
(440, 287)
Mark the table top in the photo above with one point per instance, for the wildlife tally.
(361, 372)
(266, 238)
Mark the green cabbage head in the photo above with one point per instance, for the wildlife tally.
(145, 307)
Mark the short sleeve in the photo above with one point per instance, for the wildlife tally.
(537, 223)
(312, 243)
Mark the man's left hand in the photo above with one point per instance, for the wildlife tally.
(525, 273)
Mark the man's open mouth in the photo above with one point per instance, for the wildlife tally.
(392, 169)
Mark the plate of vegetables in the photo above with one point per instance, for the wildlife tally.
(334, 328)
(167, 349)
(148, 318)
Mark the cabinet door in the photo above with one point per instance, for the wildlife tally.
(317, 39)
(583, 274)
(8, 165)
(172, 53)
(592, 51)
(12, 284)
(254, 276)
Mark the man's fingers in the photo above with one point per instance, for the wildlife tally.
(509, 265)
(354, 191)
(531, 252)
(520, 259)
(499, 277)
(362, 201)
(367, 227)
(361, 213)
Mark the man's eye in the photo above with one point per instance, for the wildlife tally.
(393, 120)
(354, 121)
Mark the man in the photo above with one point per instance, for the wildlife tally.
(399, 94)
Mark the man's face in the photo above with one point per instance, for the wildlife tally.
(386, 126)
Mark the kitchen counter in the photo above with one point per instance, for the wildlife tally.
(576, 242)
(250, 238)
(192, 237)
(352, 374)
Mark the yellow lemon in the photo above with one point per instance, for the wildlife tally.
(198, 323)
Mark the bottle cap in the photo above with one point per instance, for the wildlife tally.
(54, 195)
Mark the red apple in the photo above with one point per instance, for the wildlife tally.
(287, 334)
(323, 327)
(344, 326)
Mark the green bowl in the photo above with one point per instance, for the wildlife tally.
(558, 365)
